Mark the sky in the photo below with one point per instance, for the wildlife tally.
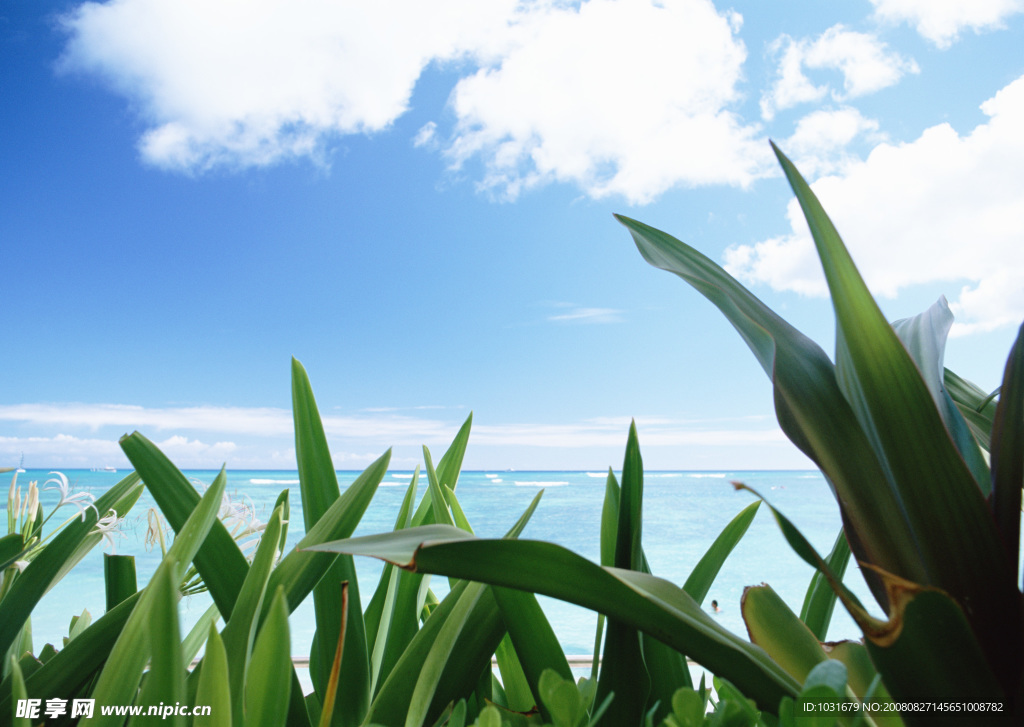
(414, 198)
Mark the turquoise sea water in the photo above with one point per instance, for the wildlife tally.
(683, 513)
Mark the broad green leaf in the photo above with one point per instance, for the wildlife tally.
(820, 599)
(118, 577)
(319, 485)
(53, 561)
(1008, 451)
(944, 507)
(811, 408)
(518, 695)
(916, 666)
(269, 679)
(698, 583)
(219, 562)
(777, 630)
(924, 337)
(165, 681)
(214, 690)
(640, 600)
(864, 680)
(12, 547)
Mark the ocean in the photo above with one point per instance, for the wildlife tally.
(683, 513)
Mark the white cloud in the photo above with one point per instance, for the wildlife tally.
(942, 208)
(941, 21)
(243, 421)
(818, 145)
(588, 315)
(241, 445)
(225, 82)
(626, 97)
(622, 97)
(866, 64)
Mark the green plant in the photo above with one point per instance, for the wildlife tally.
(900, 439)
(934, 525)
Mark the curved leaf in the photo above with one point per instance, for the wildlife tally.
(637, 599)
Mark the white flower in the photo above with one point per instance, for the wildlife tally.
(78, 500)
(108, 527)
(21, 565)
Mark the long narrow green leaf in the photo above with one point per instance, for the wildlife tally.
(268, 682)
(300, 570)
(944, 506)
(698, 583)
(623, 672)
(820, 599)
(18, 693)
(165, 681)
(440, 652)
(219, 562)
(976, 406)
(240, 631)
(55, 559)
(480, 635)
(319, 485)
(77, 662)
(120, 677)
(536, 647)
(1008, 451)
(389, 626)
(448, 470)
(214, 690)
(197, 636)
(638, 599)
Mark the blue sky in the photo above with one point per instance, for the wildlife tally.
(415, 198)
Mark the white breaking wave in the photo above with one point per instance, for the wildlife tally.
(258, 481)
(540, 484)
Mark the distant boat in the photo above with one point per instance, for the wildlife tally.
(21, 465)
(104, 469)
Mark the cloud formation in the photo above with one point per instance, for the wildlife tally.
(943, 208)
(621, 97)
(254, 437)
(865, 62)
(628, 97)
(941, 21)
(249, 84)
